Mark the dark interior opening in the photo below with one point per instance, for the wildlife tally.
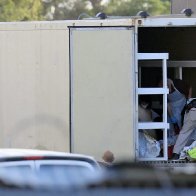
(179, 42)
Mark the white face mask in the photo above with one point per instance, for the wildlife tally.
(144, 105)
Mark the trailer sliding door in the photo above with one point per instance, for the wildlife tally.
(102, 91)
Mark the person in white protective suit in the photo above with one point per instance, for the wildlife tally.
(179, 92)
(187, 133)
(176, 102)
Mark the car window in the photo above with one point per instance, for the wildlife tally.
(64, 168)
(19, 168)
(17, 172)
(71, 164)
(19, 165)
(47, 173)
(65, 171)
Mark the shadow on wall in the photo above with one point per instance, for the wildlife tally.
(40, 132)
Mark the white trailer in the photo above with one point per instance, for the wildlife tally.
(74, 85)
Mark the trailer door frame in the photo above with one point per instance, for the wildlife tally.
(150, 91)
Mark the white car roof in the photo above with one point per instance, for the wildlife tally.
(13, 152)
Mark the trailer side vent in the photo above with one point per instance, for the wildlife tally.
(101, 15)
(83, 15)
(143, 14)
(188, 12)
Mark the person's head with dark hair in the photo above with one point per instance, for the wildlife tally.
(145, 100)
